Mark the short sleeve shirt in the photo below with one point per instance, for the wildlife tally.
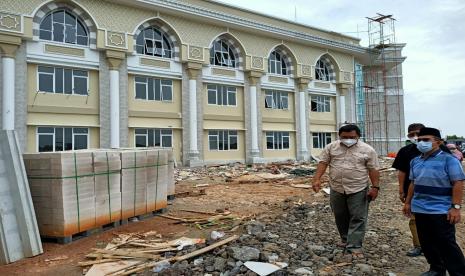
(402, 162)
(349, 166)
(433, 177)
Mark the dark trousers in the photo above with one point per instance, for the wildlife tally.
(351, 213)
(437, 239)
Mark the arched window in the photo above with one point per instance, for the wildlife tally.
(277, 64)
(222, 54)
(322, 70)
(63, 26)
(154, 42)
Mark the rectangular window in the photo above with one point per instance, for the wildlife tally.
(63, 80)
(51, 139)
(276, 99)
(153, 89)
(320, 104)
(221, 95)
(222, 140)
(153, 137)
(321, 139)
(277, 140)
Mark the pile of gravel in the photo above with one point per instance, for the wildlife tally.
(304, 236)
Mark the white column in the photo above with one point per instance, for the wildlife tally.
(254, 120)
(114, 109)
(193, 116)
(342, 108)
(8, 103)
(302, 121)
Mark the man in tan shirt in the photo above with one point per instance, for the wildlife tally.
(352, 166)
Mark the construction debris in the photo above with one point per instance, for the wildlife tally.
(221, 221)
(134, 252)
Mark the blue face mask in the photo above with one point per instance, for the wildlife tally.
(424, 147)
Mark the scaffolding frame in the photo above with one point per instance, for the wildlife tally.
(383, 120)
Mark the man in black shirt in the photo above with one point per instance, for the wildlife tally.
(402, 164)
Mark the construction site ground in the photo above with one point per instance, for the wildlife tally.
(268, 197)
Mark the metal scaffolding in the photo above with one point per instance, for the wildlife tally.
(382, 121)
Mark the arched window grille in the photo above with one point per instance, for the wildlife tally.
(154, 42)
(221, 54)
(63, 26)
(322, 71)
(277, 64)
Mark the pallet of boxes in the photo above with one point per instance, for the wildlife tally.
(78, 192)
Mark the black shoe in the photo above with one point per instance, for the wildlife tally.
(415, 252)
(433, 273)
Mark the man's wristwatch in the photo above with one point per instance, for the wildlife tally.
(375, 187)
(456, 206)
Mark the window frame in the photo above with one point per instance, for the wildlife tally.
(321, 139)
(153, 80)
(278, 140)
(154, 134)
(164, 38)
(73, 76)
(322, 68)
(273, 62)
(276, 98)
(73, 134)
(226, 133)
(322, 102)
(218, 90)
(230, 61)
(77, 20)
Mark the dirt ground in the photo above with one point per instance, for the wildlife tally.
(240, 199)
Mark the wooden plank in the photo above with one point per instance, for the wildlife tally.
(143, 266)
(128, 253)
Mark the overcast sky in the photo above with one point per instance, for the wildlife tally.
(434, 30)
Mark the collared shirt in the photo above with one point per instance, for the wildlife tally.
(433, 177)
(348, 166)
(405, 156)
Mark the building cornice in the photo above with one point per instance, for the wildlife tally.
(252, 24)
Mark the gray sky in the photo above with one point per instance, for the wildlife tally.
(434, 31)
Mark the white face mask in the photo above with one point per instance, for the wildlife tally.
(349, 142)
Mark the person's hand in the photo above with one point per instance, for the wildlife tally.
(402, 197)
(316, 185)
(453, 216)
(372, 194)
(406, 210)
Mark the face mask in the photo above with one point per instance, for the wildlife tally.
(349, 142)
(413, 140)
(424, 147)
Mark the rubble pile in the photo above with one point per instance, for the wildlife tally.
(231, 172)
(304, 241)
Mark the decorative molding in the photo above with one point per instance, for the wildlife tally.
(241, 21)
(257, 63)
(196, 52)
(346, 76)
(155, 63)
(11, 22)
(115, 39)
(324, 85)
(223, 72)
(306, 70)
(277, 79)
(266, 119)
(55, 49)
